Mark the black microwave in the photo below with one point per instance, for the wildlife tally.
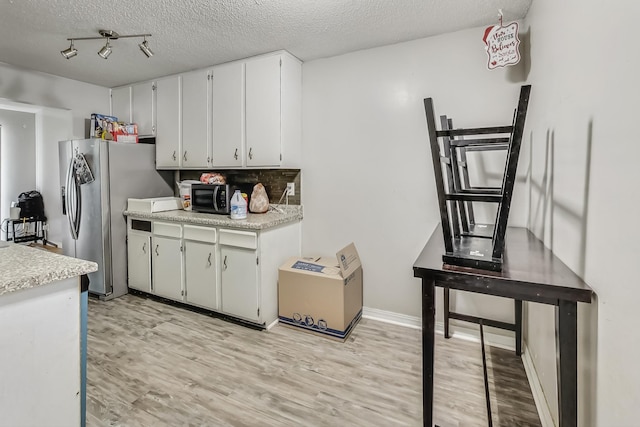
(211, 198)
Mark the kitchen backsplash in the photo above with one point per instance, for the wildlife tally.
(274, 180)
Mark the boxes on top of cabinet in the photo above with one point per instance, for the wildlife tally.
(322, 295)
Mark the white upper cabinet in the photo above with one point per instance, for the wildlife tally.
(196, 122)
(168, 147)
(263, 111)
(136, 104)
(273, 110)
(121, 103)
(143, 108)
(240, 114)
(228, 115)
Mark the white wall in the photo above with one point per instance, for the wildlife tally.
(47, 96)
(17, 157)
(367, 171)
(583, 187)
(40, 89)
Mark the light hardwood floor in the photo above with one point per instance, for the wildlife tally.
(153, 364)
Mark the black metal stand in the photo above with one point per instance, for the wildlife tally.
(38, 233)
(466, 243)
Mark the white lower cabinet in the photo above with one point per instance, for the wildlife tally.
(200, 267)
(139, 259)
(239, 277)
(249, 263)
(166, 263)
(231, 271)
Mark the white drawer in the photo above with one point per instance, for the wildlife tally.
(167, 229)
(200, 234)
(241, 239)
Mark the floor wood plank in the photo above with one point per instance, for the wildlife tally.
(154, 364)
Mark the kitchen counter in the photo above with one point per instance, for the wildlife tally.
(43, 336)
(24, 267)
(277, 215)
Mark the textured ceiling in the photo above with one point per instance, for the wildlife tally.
(192, 34)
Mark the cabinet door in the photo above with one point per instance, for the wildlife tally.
(167, 267)
(200, 274)
(228, 114)
(168, 129)
(263, 111)
(121, 103)
(143, 108)
(139, 261)
(239, 276)
(195, 119)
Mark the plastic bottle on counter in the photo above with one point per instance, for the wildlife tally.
(238, 206)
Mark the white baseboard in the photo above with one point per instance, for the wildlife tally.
(272, 324)
(544, 412)
(391, 317)
(457, 329)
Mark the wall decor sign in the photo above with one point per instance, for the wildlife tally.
(502, 45)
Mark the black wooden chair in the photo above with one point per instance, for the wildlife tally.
(467, 243)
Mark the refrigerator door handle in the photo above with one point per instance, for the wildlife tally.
(68, 201)
(72, 201)
(63, 193)
(78, 212)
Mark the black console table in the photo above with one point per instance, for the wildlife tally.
(530, 273)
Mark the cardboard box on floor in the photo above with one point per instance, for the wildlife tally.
(322, 295)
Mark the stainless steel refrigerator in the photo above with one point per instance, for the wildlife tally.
(97, 177)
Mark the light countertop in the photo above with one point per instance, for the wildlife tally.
(23, 267)
(277, 215)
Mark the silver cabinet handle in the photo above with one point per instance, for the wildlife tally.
(224, 263)
(208, 159)
(209, 260)
(250, 155)
(174, 156)
(184, 156)
(235, 155)
(144, 248)
(157, 254)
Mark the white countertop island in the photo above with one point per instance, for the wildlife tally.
(24, 267)
(40, 324)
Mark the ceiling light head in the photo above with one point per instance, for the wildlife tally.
(70, 52)
(105, 51)
(144, 47)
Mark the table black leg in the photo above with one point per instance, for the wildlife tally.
(428, 340)
(518, 323)
(567, 360)
(446, 292)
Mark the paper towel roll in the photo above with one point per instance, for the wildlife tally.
(14, 213)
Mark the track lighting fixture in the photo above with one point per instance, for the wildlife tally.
(70, 52)
(144, 47)
(106, 50)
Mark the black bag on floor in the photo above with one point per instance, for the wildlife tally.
(31, 205)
